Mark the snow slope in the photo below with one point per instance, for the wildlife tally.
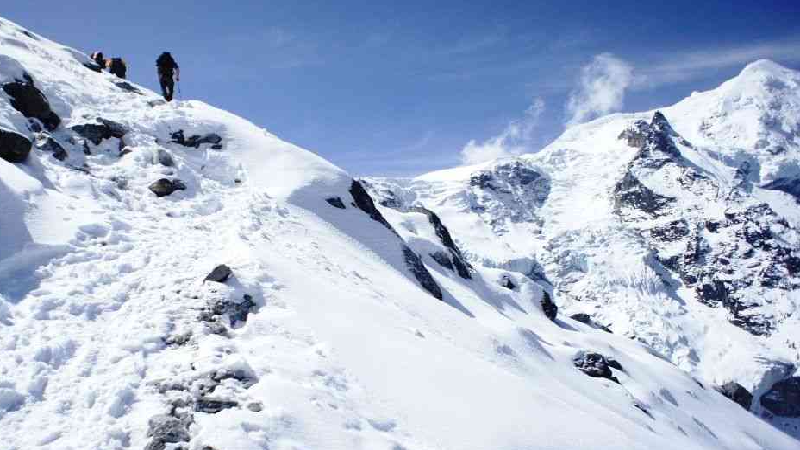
(327, 334)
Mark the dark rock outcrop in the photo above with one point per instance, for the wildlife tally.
(336, 202)
(507, 282)
(420, 272)
(195, 140)
(164, 187)
(790, 186)
(737, 393)
(631, 192)
(587, 319)
(14, 147)
(636, 134)
(31, 102)
(595, 365)
(458, 261)
(103, 129)
(783, 399)
(213, 405)
(220, 274)
(549, 307)
(364, 202)
(48, 144)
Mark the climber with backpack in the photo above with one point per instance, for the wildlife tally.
(99, 59)
(168, 74)
(117, 66)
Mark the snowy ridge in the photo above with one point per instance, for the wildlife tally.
(254, 297)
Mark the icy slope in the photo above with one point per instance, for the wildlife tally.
(678, 230)
(324, 328)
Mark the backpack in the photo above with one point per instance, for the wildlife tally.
(166, 65)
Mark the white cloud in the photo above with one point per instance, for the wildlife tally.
(601, 88)
(513, 140)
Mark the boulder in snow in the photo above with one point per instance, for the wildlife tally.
(14, 147)
(30, 102)
(97, 132)
(164, 187)
(220, 274)
(595, 365)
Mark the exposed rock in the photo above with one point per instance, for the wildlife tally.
(789, 185)
(636, 134)
(213, 406)
(364, 202)
(157, 102)
(507, 282)
(594, 365)
(30, 102)
(444, 259)
(14, 147)
(94, 133)
(235, 311)
(336, 202)
(166, 429)
(116, 129)
(737, 393)
(420, 272)
(461, 265)
(255, 407)
(195, 140)
(127, 87)
(783, 399)
(631, 192)
(165, 187)
(587, 319)
(220, 274)
(48, 144)
(549, 307)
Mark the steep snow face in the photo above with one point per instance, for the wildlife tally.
(677, 229)
(324, 328)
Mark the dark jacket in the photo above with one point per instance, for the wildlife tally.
(166, 65)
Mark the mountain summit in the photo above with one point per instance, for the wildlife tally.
(174, 277)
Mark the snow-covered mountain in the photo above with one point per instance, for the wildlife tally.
(172, 276)
(677, 228)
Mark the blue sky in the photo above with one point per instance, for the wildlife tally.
(401, 88)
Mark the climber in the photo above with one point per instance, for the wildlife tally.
(99, 59)
(117, 66)
(167, 67)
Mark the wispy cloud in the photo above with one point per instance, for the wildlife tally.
(682, 66)
(601, 88)
(513, 140)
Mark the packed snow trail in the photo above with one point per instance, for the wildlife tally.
(322, 336)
